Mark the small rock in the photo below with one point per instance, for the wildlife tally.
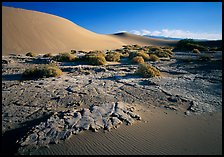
(172, 99)
(187, 113)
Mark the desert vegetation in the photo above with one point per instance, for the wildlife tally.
(47, 55)
(64, 57)
(147, 70)
(30, 54)
(95, 58)
(153, 57)
(113, 56)
(41, 72)
(189, 45)
(138, 59)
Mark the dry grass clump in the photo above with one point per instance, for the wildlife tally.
(113, 56)
(73, 51)
(154, 48)
(97, 52)
(147, 70)
(95, 58)
(42, 71)
(195, 51)
(64, 57)
(30, 54)
(163, 53)
(138, 59)
(47, 55)
(141, 53)
(153, 57)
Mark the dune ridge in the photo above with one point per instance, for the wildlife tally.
(26, 30)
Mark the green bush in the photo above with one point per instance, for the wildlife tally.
(189, 45)
(48, 55)
(64, 57)
(147, 70)
(138, 59)
(30, 54)
(113, 56)
(195, 51)
(42, 71)
(153, 57)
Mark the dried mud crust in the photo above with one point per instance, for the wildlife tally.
(183, 87)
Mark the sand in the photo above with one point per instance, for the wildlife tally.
(25, 30)
(161, 132)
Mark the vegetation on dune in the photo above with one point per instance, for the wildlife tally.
(47, 55)
(30, 54)
(138, 59)
(113, 56)
(147, 70)
(42, 71)
(64, 57)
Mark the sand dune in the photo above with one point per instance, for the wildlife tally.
(25, 30)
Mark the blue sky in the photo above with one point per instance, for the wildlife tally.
(174, 19)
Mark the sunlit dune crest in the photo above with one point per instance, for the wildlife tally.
(25, 30)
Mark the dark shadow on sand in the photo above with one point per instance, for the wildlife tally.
(9, 138)
(12, 77)
(117, 77)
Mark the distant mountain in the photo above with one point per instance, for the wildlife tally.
(162, 37)
(170, 38)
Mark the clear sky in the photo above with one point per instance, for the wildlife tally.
(173, 19)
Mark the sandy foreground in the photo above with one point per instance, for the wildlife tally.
(161, 132)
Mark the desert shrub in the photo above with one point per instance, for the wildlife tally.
(73, 51)
(138, 59)
(147, 70)
(48, 55)
(30, 54)
(141, 53)
(124, 55)
(113, 56)
(162, 53)
(64, 57)
(154, 48)
(189, 45)
(153, 57)
(42, 71)
(95, 59)
(204, 57)
(169, 51)
(195, 51)
(136, 47)
(97, 53)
